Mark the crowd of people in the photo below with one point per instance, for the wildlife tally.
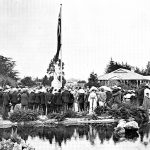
(78, 99)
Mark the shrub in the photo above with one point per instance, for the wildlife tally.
(61, 117)
(24, 115)
(70, 114)
(125, 112)
(53, 115)
(99, 110)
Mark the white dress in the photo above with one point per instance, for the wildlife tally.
(93, 101)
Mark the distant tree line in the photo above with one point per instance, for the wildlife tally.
(7, 66)
(116, 65)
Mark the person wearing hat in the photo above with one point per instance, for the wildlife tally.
(14, 97)
(1, 96)
(101, 97)
(71, 100)
(86, 103)
(81, 99)
(147, 90)
(92, 100)
(65, 98)
(75, 95)
(37, 100)
(140, 95)
(146, 101)
(42, 101)
(58, 101)
(24, 99)
(117, 96)
(6, 103)
(31, 100)
(49, 96)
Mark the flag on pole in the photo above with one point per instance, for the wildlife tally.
(58, 37)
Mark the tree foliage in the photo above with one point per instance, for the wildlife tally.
(47, 81)
(7, 67)
(112, 66)
(27, 81)
(93, 80)
(147, 70)
(81, 81)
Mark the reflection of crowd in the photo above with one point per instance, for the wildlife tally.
(77, 99)
(64, 133)
(61, 134)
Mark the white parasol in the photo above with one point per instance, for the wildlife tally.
(106, 88)
(81, 91)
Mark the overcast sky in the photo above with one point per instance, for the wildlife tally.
(93, 31)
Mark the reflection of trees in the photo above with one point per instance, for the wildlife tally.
(64, 133)
(144, 131)
(105, 131)
(60, 134)
(92, 134)
(82, 131)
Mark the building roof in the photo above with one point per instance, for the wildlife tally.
(122, 74)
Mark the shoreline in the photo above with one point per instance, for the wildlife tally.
(49, 122)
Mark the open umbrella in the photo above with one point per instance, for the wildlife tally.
(81, 91)
(106, 88)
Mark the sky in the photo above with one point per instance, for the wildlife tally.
(93, 32)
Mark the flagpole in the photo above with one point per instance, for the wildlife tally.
(61, 49)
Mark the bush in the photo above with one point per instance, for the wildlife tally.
(99, 110)
(24, 115)
(53, 115)
(125, 112)
(70, 114)
(61, 117)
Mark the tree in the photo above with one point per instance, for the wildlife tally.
(7, 67)
(27, 81)
(147, 70)
(47, 81)
(92, 80)
(81, 81)
(112, 66)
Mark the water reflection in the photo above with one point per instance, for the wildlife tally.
(144, 134)
(62, 134)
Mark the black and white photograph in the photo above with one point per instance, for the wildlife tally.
(74, 74)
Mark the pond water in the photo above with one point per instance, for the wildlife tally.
(83, 137)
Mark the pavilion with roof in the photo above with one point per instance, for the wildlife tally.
(123, 76)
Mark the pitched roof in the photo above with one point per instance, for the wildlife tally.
(122, 74)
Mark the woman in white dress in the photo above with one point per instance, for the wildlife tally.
(92, 100)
